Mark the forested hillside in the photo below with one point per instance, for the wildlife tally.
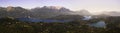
(11, 25)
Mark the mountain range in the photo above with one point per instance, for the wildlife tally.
(46, 12)
(112, 13)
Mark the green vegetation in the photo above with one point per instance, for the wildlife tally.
(10, 25)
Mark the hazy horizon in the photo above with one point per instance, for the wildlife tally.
(75, 5)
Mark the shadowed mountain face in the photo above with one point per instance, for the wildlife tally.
(14, 12)
(18, 12)
(3, 12)
(38, 12)
(45, 12)
(49, 11)
(67, 17)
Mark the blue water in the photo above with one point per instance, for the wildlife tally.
(87, 18)
(41, 20)
(100, 24)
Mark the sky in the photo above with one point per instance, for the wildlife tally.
(76, 5)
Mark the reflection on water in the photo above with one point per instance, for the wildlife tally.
(100, 24)
(41, 20)
(87, 18)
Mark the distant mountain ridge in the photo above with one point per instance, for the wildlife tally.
(13, 12)
(45, 12)
(110, 13)
(83, 12)
(49, 11)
